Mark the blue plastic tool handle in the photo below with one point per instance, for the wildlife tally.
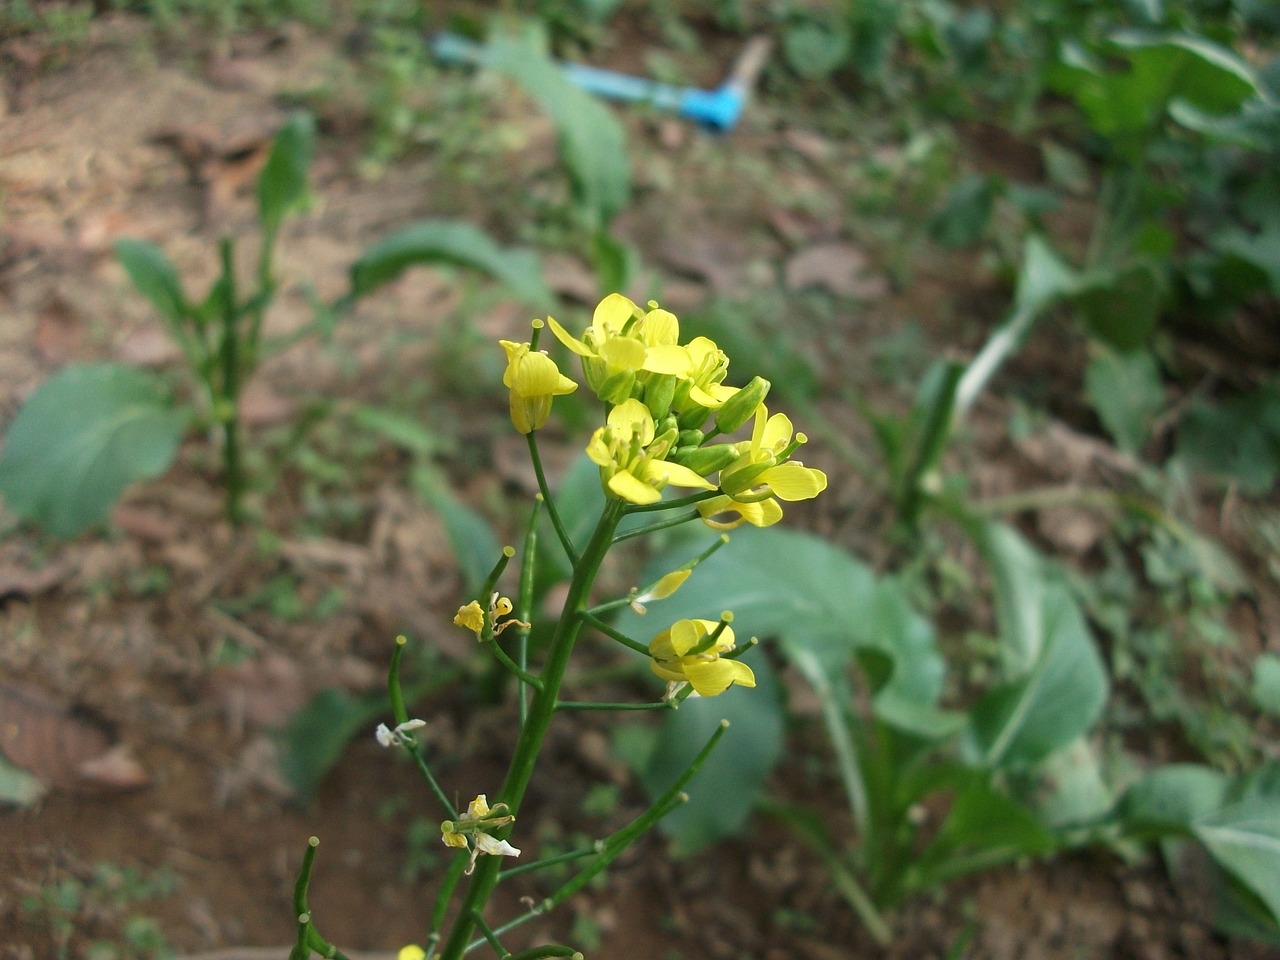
(717, 109)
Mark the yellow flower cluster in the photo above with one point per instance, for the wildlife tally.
(668, 402)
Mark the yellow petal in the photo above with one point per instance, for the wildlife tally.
(411, 952)
(712, 677)
(669, 584)
(622, 353)
(627, 487)
(660, 327)
(631, 418)
(668, 358)
(538, 376)
(667, 670)
(777, 432)
(687, 634)
(612, 313)
(569, 340)
(664, 471)
(793, 481)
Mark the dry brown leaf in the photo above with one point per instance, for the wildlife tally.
(264, 692)
(59, 747)
(23, 582)
(841, 268)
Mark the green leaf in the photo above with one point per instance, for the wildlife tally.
(474, 544)
(1018, 578)
(282, 185)
(592, 143)
(1170, 798)
(85, 435)
(315, 737)
(1044, 278)
(1210, 77)
(1070, 785)
(966, 212)
(1244, 839)
(727, 787)
(818, 602)
(814, 48)
(983, 828)
(407, 433)
(1266, 684)
(19, 788)
(1126, 392)
(1024, 721)
(1121, 306)
(451, 242)
(155, 277)
(1238, 438)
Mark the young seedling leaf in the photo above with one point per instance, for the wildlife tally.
(1244, 839)
(282, 185)
(1022, 722)
(592, 142)
(452, 242)
(1170, 798)
(155, 277)
(1126, 392)
(85, 435)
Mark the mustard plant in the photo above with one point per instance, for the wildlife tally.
(671, 422)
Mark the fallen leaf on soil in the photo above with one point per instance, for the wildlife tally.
(23, 582)
(145, 523)
(264, 692)
(839, 267)
(42, 737)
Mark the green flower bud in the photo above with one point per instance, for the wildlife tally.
(691, 438)
(705, 461)
(658, 394)
(617, 387)
(694, 417)
(742, 406)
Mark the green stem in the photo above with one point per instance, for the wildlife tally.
(656, 526)
(613, 634)
(514, 668)
(541, 711)
(675, 504)
(524, 602)
(552, 512)
(227, 395)
(611, 706)
(395, 693)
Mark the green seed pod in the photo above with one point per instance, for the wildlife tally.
(741, 407)
(658, 394)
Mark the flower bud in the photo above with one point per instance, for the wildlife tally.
(742, 406)
(658, 394)
(691, 438)
(705, 461)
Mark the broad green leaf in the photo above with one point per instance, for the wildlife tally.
(313, 740)
(408, 433)
(592, 142)
(1121, 306)
(727, 787)
(983, 828)
(1205, 74)
(966, 212)
(282, 185)
(927, 429)
(1070, 786)
(474, 544)
(1024, 721)
(155, 277)
(451, 242)
(1172, 798)
(811, 597)
(815, 49)
(1018, 578)
(83, 436)
(1244, 839)
(1238, 438)
(1266, 684)
(19, 788)
(1126, 392)
(1044, 278)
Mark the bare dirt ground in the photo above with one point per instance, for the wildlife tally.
(121, 637)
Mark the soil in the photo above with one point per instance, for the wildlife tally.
(188, 644)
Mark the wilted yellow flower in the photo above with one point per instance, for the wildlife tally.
(471, 828)
(534, 381)
(470, 617)
(690, 651)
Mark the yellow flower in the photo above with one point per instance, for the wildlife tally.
(630, 457)
(411, 952)
(665, 587)
(623, 343)
(534, 380)
(690, 652)
(762, 475)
